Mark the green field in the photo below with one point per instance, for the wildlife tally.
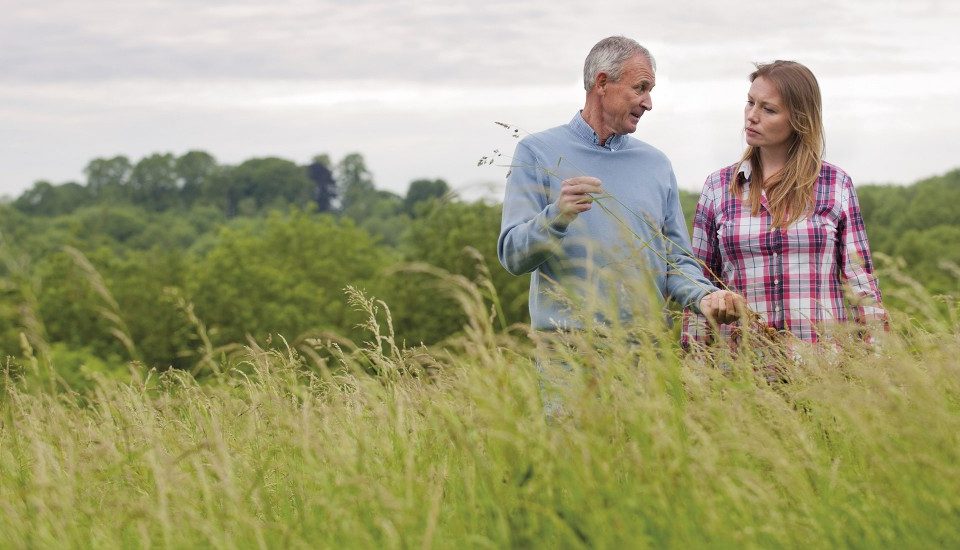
(379, 446)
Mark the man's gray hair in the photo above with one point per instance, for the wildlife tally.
(609, 56)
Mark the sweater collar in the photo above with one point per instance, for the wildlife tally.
(586, 133)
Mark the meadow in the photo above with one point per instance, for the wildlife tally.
(375, 444)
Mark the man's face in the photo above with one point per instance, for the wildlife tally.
(623, 102)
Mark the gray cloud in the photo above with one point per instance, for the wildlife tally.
(434, 41)
(297, 77)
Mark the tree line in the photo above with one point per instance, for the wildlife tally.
(171, 259)
(164, 181)
(164, 259)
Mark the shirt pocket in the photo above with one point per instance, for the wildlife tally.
(740, 238)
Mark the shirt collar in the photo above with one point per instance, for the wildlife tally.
(746, 169)
(585, 132)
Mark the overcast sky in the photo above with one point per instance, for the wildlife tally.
(415, 87)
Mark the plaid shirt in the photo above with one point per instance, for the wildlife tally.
(794, 278)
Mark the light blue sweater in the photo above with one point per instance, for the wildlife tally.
(596, 266)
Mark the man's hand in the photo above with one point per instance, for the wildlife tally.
(723, 306)
(575, 197)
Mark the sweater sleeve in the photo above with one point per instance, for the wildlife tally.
(706, 247)
(530, 232)
(685, 283)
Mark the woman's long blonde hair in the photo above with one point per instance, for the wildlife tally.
(790, 193)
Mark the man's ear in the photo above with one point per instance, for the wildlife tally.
(601, 81)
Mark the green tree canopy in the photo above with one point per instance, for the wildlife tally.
(194, 169)
(107, 178)
(284, 274)
(356, 184)
(153, 182)
(47, 199)
(423, 190)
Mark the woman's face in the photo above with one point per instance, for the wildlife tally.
(766, 118)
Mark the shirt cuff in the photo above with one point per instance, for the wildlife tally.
(552, 223)
(695, 304)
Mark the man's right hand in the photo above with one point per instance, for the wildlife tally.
(575, 197)
(723, 306)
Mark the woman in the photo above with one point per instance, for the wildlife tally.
(781, 226)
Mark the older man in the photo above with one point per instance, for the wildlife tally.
(593, 213)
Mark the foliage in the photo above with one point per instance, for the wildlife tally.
(918, 223)
(195, 171)
(153, 182)
(108, 178)
(208, 236)
(459, 238)
(356, 184)
(46, 199)
(282, 275)
(258, 183)
(421, 191)
(381, 214)
(325, 187)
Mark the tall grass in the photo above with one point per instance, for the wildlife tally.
(387, 446)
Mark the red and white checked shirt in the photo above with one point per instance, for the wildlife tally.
(794, 277)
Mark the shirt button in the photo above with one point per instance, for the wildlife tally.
(776, 281)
